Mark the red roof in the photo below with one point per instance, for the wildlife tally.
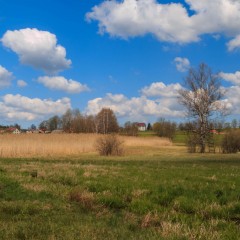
(11, 129)
(141, 124)
(214, 131)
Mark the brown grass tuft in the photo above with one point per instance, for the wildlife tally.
(84, 198)
(150, 220)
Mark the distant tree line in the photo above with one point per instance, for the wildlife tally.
(11, 126)
(129, 129)
(73, 121)
(165, 128)
(216, 125)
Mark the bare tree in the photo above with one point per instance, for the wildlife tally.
(129, 129)
(165, 128)
(201, 97)
(54, 123)
(67, 121)
(106, 121)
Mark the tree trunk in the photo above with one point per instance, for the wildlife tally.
(202, 144)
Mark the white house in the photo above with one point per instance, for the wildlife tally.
(14, 130)
(141, 127)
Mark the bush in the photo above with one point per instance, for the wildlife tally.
(129, 129)
(231, 142)
(165, 129)
(109, 145)
(192, 143)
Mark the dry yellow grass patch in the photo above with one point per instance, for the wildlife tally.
(34, 187)
(52, 145)
(41, 145)
(146, 142)
(139, 192)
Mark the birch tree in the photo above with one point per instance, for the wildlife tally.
(202, 97)
(106, 121)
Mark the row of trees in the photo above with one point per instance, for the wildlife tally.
(165, 128)
(74, 122)
(218, 125)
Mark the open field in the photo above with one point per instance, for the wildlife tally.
(156, 191)
(180, 138)
(58, 145)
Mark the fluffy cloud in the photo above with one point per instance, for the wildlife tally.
(130, 18)
(232, 99)
(61, 83)
(182, 64)
(168, 22)
(5, 77)
(17, 107)
(21, 83)
(136, 108)
(38, 49)
(231, 77)
(234, 43)
(159, 89)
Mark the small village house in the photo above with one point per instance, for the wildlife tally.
(141, 127)
(13, 130)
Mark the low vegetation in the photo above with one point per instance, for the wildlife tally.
(165, 128)
(60, 145)
(231, 141)
(150, 196)
(109, 145)
(155, 191)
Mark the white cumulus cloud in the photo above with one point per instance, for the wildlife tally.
(135, 108)
(5, 77)
(182, 64)
(21, 83)
(18, 107)
(159, 89)
(231, 77)
(232, 99)
(234, 43)
(38, 49)
(63, 84)
(168, 22)
(131, 18)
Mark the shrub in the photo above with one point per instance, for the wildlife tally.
(129, 129)
(165, 128)
(192, 142)
(109, 145)
(231, 142)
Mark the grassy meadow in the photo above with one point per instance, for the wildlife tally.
(57, 187)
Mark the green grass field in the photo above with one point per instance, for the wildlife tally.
(180, 139)
(162, 194)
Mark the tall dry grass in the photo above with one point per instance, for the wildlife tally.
(54, 145)
(146, 141)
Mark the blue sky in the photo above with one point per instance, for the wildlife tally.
(129, 55)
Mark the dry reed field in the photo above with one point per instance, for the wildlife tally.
(55, 145)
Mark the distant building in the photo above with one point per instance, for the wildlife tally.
(36, 131)
(58, 131)
(2, 130)
(213, 131)
(13, 130)
(141, 127)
